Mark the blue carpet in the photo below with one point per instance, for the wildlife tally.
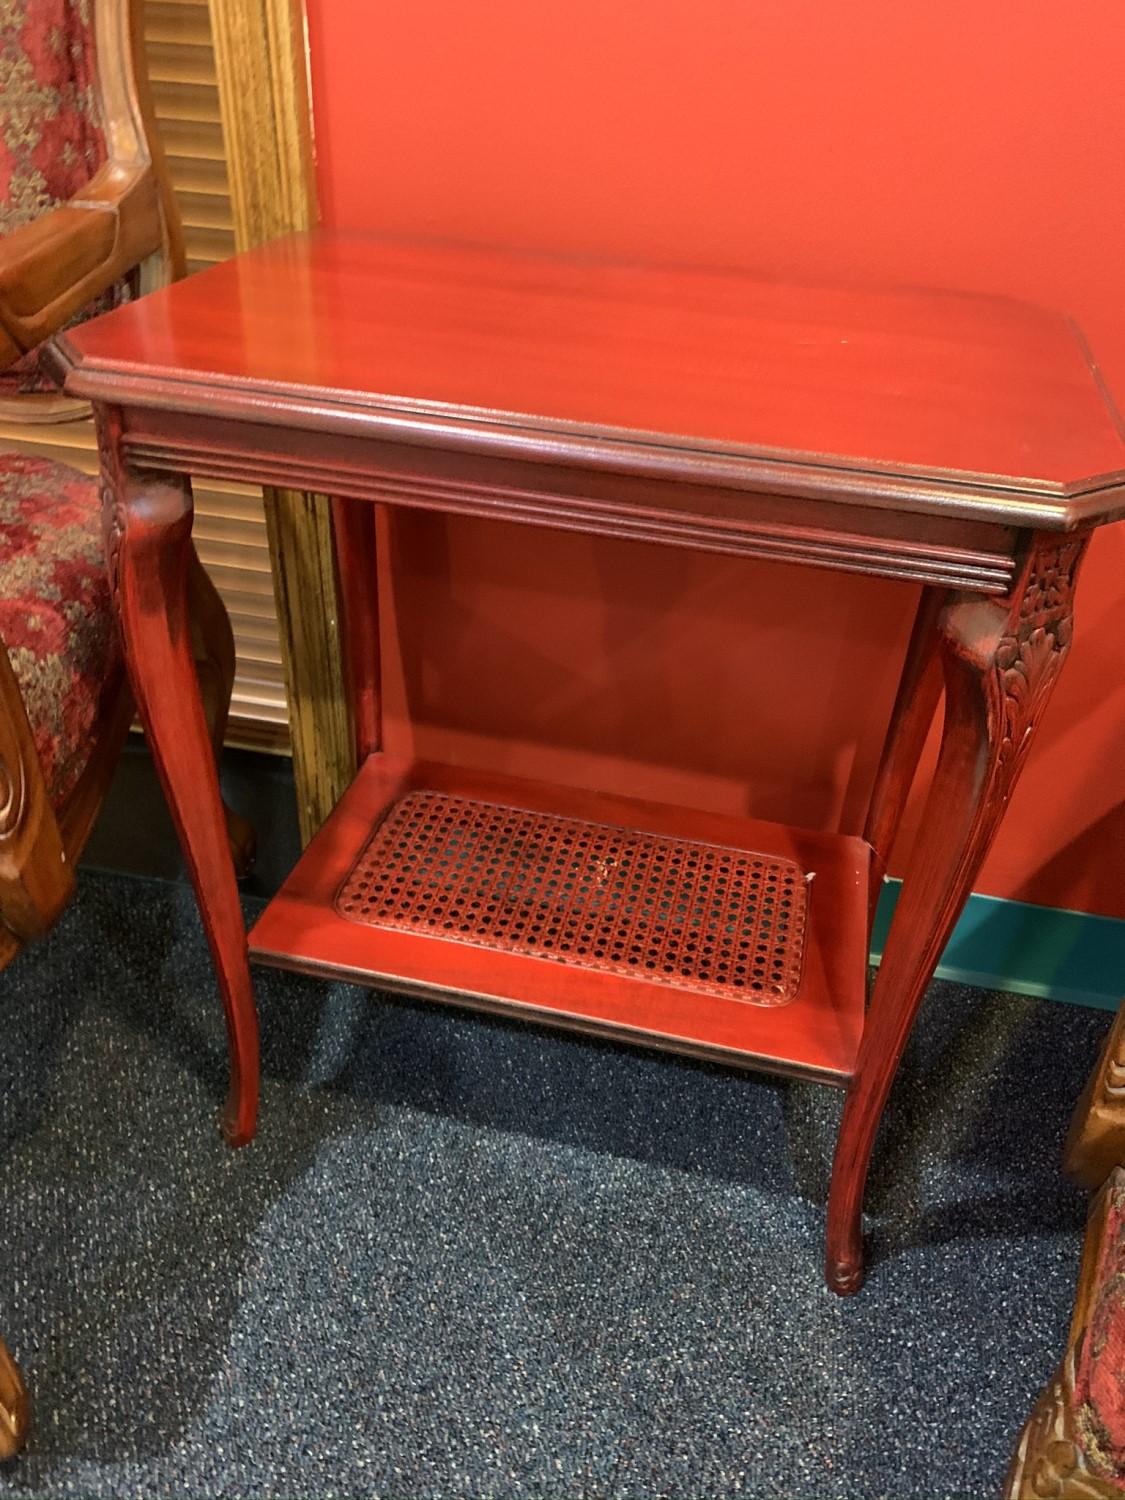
(466, 1258)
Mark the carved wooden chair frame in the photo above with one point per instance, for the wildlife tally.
(122, 225)
(1049, 1458)
(123, 221)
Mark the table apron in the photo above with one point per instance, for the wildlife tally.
(950, 551)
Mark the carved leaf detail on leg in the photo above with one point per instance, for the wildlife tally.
(113, 529)
(111, 488)
(1029, 659)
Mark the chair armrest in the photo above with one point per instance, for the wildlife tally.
(1095, 1142)
(53, 267)
(36, 880)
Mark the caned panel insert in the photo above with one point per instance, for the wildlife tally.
(723, 921)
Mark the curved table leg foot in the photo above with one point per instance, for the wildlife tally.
(846, 1274)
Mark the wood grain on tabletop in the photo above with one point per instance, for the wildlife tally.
(907, 380)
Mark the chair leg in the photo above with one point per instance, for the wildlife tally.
(212, 646)
(15, 1408)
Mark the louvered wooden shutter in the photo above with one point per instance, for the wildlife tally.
(230, 529)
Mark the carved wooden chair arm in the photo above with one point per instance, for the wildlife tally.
(1095, 1143)
(15, 1411)
(36, 879)
(53, 267)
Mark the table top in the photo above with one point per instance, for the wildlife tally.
(933, 385)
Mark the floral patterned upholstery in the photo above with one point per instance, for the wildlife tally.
(51, 138)
(55, 615)
(1099, 1384)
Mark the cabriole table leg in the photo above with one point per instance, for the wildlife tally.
(1000, 661)
(148, 517)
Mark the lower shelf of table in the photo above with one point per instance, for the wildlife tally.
(708, 935)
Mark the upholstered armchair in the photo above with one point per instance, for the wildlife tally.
(1073, 1444)
(87, 219)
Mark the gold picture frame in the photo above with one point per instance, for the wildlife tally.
(262, 65)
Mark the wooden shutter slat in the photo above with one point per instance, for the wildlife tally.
(171, 21)
(181, 61)
(192, 141)
(209, 245)
(195, 175)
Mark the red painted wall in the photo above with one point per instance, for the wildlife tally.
(943, 142)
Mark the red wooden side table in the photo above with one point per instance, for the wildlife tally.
(962, 443)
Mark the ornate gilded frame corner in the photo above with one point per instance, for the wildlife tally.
(261, 57)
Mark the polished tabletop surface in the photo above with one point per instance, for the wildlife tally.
(907, 381)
